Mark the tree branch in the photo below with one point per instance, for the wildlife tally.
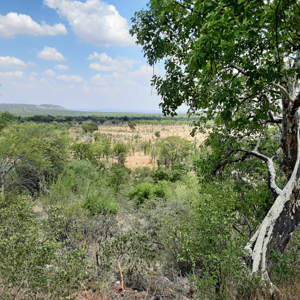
(274, 189)
(284, 91)
(273, 119)
(280, 87)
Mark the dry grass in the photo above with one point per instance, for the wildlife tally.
(145, 133)
(123, 133)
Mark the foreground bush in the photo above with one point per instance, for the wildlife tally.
(35, 264)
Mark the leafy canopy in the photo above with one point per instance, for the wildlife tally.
(223, 57)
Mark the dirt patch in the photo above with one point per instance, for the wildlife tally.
(133, 162)
(122, 132)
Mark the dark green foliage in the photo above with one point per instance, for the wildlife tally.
(146, 190)
(178, 171)
(89, 127)
(132, 125)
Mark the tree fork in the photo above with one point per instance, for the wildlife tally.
(283, 218)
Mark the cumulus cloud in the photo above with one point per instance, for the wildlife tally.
(107, 64)
(50, 73)
(61, 67)
(72, 78)
(14, 23)
(143, 71)
(101, 79)
(11, 74)
(94, 21)
(43, 80)
(49, 53)
(8, 62)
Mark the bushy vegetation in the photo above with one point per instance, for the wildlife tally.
(71, 212)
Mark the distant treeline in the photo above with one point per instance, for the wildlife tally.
(114, 118)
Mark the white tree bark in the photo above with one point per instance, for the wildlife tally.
(279, 224)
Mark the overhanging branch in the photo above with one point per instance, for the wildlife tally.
(274, 189)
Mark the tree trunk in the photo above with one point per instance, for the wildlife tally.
(277, 228)
(283, 218)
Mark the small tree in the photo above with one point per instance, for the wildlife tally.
(120, 150)
(173, 149)
(146, 147)
(89, 127)
(105, 142)
(157, 134)
(132, 125)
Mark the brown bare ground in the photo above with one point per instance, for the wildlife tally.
(122, 133)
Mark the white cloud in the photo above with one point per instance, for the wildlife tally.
(34, 74)
(94, 21)
(12, 74)
(8, 62)
(100, 79)
(31, 78)
(50, 73)
(49, 53)
(143, 71)
(61, 67)
(43, 80)
(70, 78)
(107, 64)
(129, 82)
(14, 23)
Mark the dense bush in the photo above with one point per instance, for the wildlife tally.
(35, 264)
(146, 190)
(101, 203)
(89, 127)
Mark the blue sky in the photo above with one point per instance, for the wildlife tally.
(77, 54)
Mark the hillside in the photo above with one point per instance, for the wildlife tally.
(29, 108)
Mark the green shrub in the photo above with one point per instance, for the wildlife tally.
(117, 176)
(206, 241)
(132, 125)
(29, 246)
(146, 190)
(89, 127)
(101, 203)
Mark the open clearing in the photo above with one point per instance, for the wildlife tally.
(145, 133)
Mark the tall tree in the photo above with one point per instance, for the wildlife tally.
(236, 62)
(27, 153)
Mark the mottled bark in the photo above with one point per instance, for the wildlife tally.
(289, 137)
(283, 218)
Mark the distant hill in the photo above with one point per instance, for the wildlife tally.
(29, 108)
(115, 110)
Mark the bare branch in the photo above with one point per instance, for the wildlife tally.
(273, 119)
(284, 91)
(274, 189)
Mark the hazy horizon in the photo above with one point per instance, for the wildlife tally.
(74, 53)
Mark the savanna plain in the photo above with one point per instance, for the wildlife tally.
(116, 209)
